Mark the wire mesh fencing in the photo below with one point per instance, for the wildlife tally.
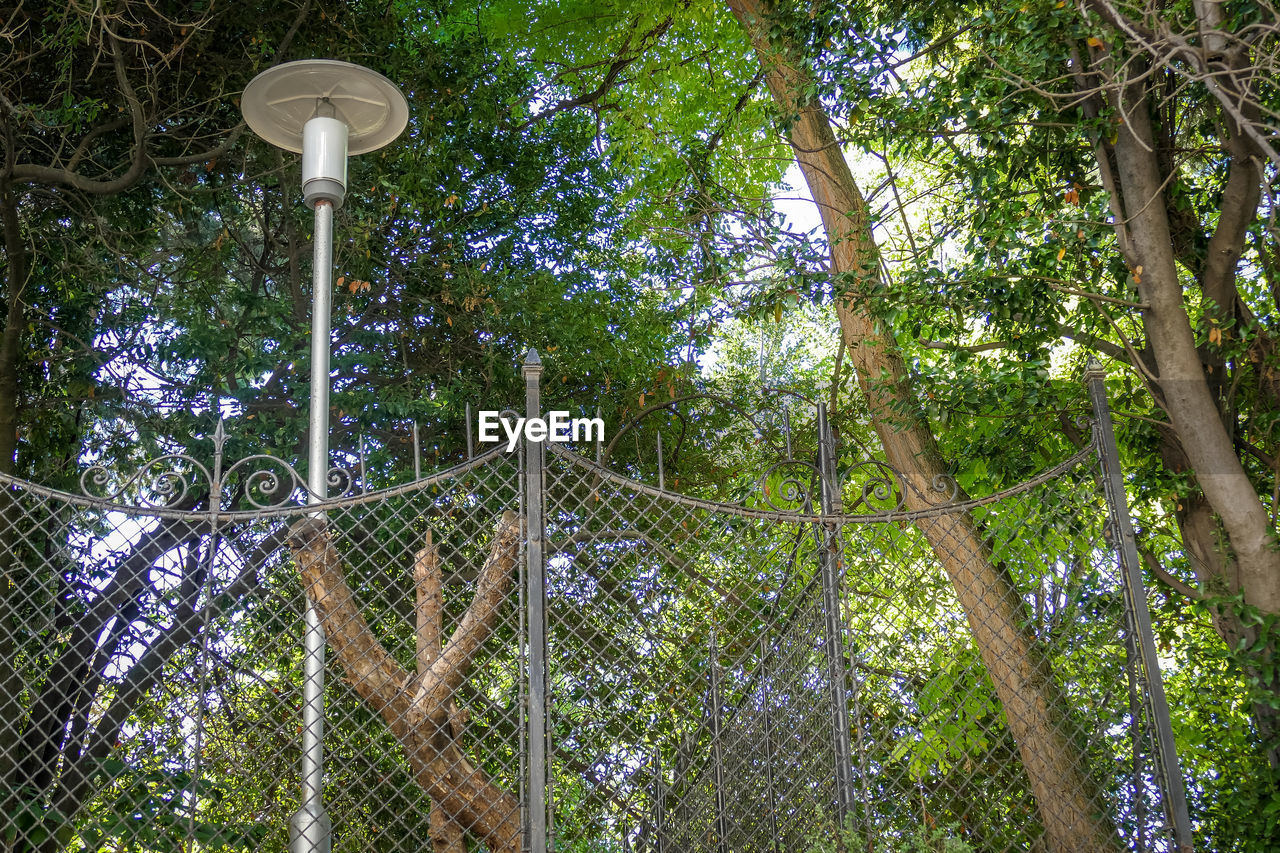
(703, 700)
(157, 670)
(533, 652)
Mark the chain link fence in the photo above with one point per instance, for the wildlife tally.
(698, 688)
(533, 652)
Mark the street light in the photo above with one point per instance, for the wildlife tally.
(323, 110)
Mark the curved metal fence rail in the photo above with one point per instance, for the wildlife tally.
(532, 652)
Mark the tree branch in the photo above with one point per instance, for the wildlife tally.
(622, 59)
(373, 673)
(476, 626)
(1152, 563)
(430, 604)
(139, 162)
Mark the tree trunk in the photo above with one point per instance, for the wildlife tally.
(16, 273)
(1226, 530)
(1224, 525)
(1035, 709)
(446, 835)
(1201, 433)
(419, 708)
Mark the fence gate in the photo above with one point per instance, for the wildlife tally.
(531, 651)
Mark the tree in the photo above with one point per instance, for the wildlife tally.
(1228, 536)
(1110, 161)
(595, 180)
(420, 708)
(72, 140)
(1035, 712)
(1044, 138)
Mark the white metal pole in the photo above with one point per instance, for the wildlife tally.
(321, 300)
(310, 830)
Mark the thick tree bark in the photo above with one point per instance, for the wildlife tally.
(419, 708)
(1034, 707)
(1202, 541)
(446, 835)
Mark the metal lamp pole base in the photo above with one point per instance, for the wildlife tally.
(310, 831)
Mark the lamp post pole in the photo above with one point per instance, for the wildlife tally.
(323, 110)
(310, 830)
(321, 307)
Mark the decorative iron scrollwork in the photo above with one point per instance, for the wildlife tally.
(162, 483)
(868, 487)
(177, 480)
(874, 487)
(887, 490)
(791, 493)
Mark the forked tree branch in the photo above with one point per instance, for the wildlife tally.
(427, 725)
(446, 673)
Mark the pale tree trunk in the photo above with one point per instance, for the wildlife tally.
(1034, 707)
(1203, 436)
(419, 708)
(1226, 530)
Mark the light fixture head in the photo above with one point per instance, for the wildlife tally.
(279, 102)
(324, 110)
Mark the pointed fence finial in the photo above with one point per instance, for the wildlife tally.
(219, 444)
(471, 447)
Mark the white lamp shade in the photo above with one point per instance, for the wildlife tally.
(278, 103)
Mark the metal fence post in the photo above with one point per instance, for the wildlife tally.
(829, 556)
(536, 601)
(659, 806)
(1135, 599)
(717, 753)
(767, 687)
